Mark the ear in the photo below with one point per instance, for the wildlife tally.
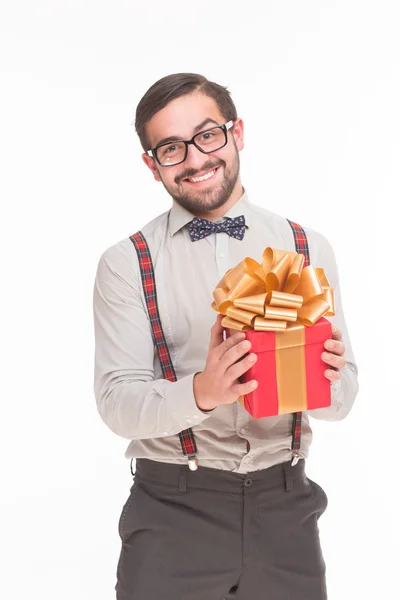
(238, 133)
(150, 162)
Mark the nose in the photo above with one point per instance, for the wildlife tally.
(195, 159)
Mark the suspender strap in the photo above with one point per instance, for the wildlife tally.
(186, 437)
(188, 443)
(301, 243)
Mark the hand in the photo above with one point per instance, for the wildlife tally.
(219, 382)
(334, 356)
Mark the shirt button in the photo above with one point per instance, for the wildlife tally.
(222, 255)
(166, 432)
(243, 431)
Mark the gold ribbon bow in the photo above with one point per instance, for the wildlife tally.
(275, 295)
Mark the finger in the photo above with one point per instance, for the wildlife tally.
(225, 345)
(335, 347)
(338, 362)
(234, 354)
(241, 367)
(336, 333)
(216, 333)
(333, 376)
(240, 389)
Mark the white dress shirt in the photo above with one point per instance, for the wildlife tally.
(132, 397)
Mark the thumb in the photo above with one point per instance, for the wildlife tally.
(217, 333)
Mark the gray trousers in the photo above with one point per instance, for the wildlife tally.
(216, 535)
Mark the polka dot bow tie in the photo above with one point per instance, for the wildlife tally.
(201, 228)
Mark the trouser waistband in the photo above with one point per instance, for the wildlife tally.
(181, 477)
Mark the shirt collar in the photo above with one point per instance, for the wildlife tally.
(180, 216)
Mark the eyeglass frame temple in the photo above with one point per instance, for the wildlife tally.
(226, 127)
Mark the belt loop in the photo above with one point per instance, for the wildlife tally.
(288, 476)
(182, 478)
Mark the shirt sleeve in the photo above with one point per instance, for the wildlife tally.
(344, 391)
(129, 400)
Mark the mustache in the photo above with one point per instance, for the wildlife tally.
(206, 167)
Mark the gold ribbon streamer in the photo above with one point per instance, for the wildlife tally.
(273, 295)
(290, 358)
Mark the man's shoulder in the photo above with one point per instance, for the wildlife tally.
(320, 248)
(318, 242)
(122, 254)
(268, 215)
(281, 221)
(278, 225)
(159, 222)
(278, 222)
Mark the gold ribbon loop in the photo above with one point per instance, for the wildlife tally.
(274, 294)
(252, 303)
(243, 316)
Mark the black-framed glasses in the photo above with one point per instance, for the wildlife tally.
(209, 140)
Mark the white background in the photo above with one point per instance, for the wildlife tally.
(317, 84)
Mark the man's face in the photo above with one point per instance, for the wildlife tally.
(180, 119)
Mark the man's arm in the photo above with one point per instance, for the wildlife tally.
(344, 391)
(130, 402)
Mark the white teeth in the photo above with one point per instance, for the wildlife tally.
(203, 178)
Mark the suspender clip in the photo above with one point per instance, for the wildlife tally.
(296, 458)
(193, 462)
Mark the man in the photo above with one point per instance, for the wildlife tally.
(243, 524)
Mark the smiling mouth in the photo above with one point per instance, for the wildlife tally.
(208, 175)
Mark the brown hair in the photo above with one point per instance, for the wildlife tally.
(173, 86)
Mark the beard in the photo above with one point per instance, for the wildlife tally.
(208, 199)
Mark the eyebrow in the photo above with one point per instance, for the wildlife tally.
(175, 138)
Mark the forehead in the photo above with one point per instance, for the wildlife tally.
(181, 116)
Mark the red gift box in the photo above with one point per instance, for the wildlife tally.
(289, 370)
(281, 306)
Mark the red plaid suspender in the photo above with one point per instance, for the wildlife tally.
(188, 443)
(301, 243)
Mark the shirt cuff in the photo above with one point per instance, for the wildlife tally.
(182, 404)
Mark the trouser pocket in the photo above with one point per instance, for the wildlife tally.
(321, 499)
(125, 508)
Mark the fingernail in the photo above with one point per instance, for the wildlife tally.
(330, 344)
(254, 385)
